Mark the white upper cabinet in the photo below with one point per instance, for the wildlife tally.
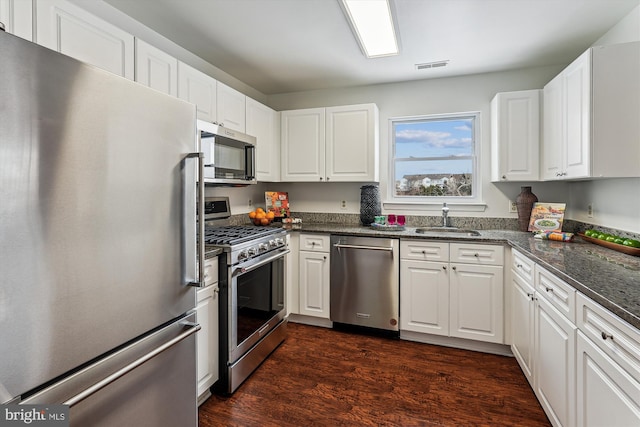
(515, 136)
(351, 149)
(231, 106)
(590, 116)
(156, 69)
(67, 28)
(196, 87)
(264, 124)
(303, 136)
(16, 17)
(331, 144)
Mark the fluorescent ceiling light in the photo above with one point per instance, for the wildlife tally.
(372, 24)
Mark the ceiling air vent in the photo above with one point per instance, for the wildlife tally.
(436, 64)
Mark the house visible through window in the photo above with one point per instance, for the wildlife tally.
(434, 157)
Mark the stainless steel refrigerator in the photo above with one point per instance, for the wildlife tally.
(97, 242)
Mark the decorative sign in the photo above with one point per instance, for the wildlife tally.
(547, 216)
(278, 203)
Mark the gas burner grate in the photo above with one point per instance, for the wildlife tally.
(235, 234)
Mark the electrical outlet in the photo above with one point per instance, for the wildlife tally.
(590, 210)
(250, 202)
(513, 208)
(343, 205)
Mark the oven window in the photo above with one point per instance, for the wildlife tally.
(260, 297)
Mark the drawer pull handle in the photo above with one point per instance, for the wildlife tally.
(549, 289)
(453, 268)
(444, 267)
(518, 265)
(606, 335)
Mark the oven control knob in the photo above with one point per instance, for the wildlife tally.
(263, 247)
(251, 251)
(272, 243)
(243, 255)
(279, 242)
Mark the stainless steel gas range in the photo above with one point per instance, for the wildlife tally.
(252, 301)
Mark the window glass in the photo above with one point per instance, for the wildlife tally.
(434, 157)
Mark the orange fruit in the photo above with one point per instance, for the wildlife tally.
(264, 221)
(252, 214)
(261, 215)
(270, 215)
(256, 221)
(259, 210)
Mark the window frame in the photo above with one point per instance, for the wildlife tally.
(475, 200)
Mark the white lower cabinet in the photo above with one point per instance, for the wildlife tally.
(424, 297)
(522, 324)
(607, 394)
(555, 358)
(454, 299)
(207, 340)
(314, 275)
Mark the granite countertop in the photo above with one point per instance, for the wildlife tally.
(610, 278)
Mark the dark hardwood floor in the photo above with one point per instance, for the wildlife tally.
(324, 377)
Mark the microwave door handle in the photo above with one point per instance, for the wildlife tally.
(250, 154)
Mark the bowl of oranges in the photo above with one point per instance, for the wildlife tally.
(260, 217)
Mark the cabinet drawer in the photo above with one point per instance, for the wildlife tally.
(470, 253)
(522, 266)
(557, 292)
(424, 250)
(614, 336)
(314, 242)
(210, 271)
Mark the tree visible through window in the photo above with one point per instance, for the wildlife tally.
(434, 156)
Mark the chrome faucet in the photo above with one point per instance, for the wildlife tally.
(445, 215)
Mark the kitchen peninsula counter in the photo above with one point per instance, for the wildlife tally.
(610, 278)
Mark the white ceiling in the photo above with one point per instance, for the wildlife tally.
(279, 46)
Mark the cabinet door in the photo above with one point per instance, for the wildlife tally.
(515, 136)
(555, 359)
(352, 143)
(16, 15)
(314, 284)
(198, 88)
(477, 308)
(156, 69)
(424, 297)
(207, 338)
(66, 28)
(522, 323)
(553, 141)
(607, 394)
(303, 145)
(262, 122)
(577, 93)
(231, 108)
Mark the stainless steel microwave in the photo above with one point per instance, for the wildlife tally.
(229, 155)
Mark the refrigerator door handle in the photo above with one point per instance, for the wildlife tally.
(199, 256)
(193, 328)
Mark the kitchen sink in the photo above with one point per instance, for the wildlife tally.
(446, 230)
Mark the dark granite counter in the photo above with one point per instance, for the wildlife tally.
(610, 278)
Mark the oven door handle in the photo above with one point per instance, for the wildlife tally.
(242, 270)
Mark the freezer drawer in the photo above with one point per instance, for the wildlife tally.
(160, 392)
(364, 282)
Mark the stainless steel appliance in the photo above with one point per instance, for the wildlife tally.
(229, 155)
(97, 242)
(252, 301)
(365, 282)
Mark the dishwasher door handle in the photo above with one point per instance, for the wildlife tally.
(372, 248)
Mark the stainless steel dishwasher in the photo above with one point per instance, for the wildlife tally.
(364, 281)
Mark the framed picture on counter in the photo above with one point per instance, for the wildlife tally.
(278, 203)
(547, 216)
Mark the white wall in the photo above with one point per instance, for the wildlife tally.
(433, 96)
(616, 202)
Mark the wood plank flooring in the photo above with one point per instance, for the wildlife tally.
(324, 377)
